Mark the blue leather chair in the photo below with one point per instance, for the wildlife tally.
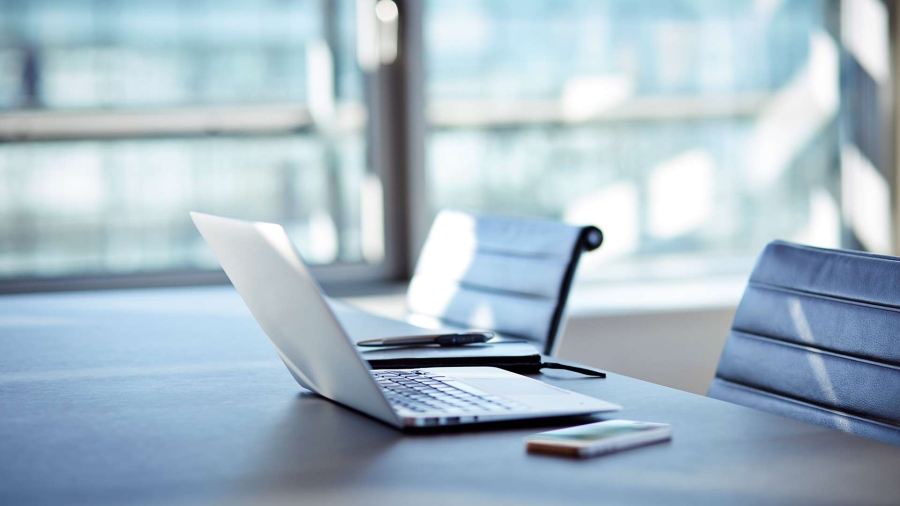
(502, 273)
(817, 338)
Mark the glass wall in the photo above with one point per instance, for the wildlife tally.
(691, 131)
(694, 129)
(117, 117)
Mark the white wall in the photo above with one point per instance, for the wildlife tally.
(679, 349)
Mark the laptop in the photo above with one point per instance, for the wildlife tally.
(266, 269)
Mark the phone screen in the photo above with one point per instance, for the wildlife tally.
(597, 431)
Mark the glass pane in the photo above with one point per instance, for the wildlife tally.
(119, 53)
(680, 127)
(120, 117)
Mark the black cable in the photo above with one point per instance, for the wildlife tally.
(579, 370)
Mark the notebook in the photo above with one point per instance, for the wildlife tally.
(510, 353)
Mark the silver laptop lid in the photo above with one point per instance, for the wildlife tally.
(265, 268)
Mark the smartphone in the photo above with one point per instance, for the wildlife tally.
(598, 438)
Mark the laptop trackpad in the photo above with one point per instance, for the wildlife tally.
(513, 387)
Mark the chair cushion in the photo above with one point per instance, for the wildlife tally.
(816, 337)
(499, 273)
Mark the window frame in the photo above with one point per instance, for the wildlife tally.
(396, 127)
(382, 120)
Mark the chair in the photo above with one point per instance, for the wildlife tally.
(509, 275)
(816, 337)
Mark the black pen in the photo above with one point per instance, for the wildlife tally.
(458, 339)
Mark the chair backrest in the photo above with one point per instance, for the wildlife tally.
(509, 275)
(817, 337)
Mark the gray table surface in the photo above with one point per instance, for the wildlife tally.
(175, 396)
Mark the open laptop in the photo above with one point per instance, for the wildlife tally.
(288, 304)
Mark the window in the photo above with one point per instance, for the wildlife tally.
(697, 129)
(118, 117)
(691, 131)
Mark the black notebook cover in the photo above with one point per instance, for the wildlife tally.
(512, 356)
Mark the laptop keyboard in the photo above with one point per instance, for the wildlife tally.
(423, 391)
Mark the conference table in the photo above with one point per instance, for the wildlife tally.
(174, 396)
